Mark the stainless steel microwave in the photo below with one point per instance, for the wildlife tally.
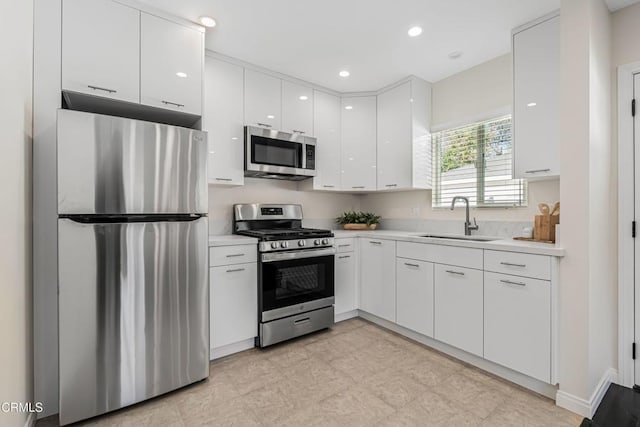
(279, 155)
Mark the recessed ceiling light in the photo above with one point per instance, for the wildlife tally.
(414, 31)
(455, 54)
(235, 138)
(348, 107)
(344, 73)
(271, 116)
(531, 104)
(303, 97)
(208, 21)
(181, 74)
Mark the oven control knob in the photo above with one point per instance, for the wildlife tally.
(325, 241)
(316, 242)
(284, 245)
(301, 243)
(274, 245)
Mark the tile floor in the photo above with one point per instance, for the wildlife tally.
(356, 374)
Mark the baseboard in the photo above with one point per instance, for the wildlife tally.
(31, 420)
(587, 408)
(344, 316)
(484, 364)
(236, 347)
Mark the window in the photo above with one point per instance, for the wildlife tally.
(475, 161)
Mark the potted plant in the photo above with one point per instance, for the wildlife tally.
(352, 220)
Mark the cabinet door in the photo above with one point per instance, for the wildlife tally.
(262, 99)
(234, 304)
(517, 324)
(394, 138)
(536, 71)
(101, 56)
(459, 307)
(345, 283)
(414, 293)
(326, 125)
(171, 62)
(223, 120)
(297, 108)
(378, 278)
(359, 143)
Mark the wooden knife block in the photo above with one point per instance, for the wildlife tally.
(545, 227)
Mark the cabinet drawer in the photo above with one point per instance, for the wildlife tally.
(517, 324)
(518, 264)
(441, 254)
(345, 245)
(228, 255)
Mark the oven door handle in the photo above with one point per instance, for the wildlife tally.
(307, 253)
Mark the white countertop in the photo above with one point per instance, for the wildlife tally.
(502, 244)
(231, 240)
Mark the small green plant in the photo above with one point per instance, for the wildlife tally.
(352, 217)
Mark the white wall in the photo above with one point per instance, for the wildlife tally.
(477, 93)
(587, 272)
(318, 207)
(16, 373)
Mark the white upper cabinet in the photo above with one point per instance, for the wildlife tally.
(403, 143)
(326, 124)
(358, 143)
(262, 99)
(297, 108)
(536, 72)
(171, 65)
(101, 56)
(223, 120)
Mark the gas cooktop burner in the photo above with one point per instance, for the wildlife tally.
(286, 233)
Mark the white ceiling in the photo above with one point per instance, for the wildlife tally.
(313, 40)
(619, 4)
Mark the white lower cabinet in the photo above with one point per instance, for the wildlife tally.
(517, 324)
(414, 295)
(234, 304)
(378, 277)
(345, 283)
(459, 307)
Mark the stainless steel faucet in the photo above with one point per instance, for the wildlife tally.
(467, 224)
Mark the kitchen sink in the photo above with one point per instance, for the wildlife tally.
(461, 237)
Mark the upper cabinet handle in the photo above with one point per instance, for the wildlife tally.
(298, 131)
(391, 185)
(102, 88)
(344, 256)
(172, 103)
(510, 264)
(224, 179)
(328, 186)
(537, 170)
(358, 186)
(264, 124)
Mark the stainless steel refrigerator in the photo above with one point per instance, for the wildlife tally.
(133, 294)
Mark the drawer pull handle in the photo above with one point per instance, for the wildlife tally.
(510, 264)
(375, 243)
(344, 246)
(264, 124)
(234, 255)
(224, 179)
(301, 132)
(408, 264)
(510, 282)
(235, 270)
(104, 89)
(344, 256)
(301, 321)
(358, 186)
(538, 170)
(459, 273)
(175, 104)
(391, 185)
(328, 186)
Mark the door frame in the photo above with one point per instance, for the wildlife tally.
(626, 207)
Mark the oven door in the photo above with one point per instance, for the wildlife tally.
(272, 152)
(295, 281)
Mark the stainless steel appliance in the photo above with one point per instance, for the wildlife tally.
(295, 271)
(133, 294)
(279, 155)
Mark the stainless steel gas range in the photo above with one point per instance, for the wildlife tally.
(295, 271)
